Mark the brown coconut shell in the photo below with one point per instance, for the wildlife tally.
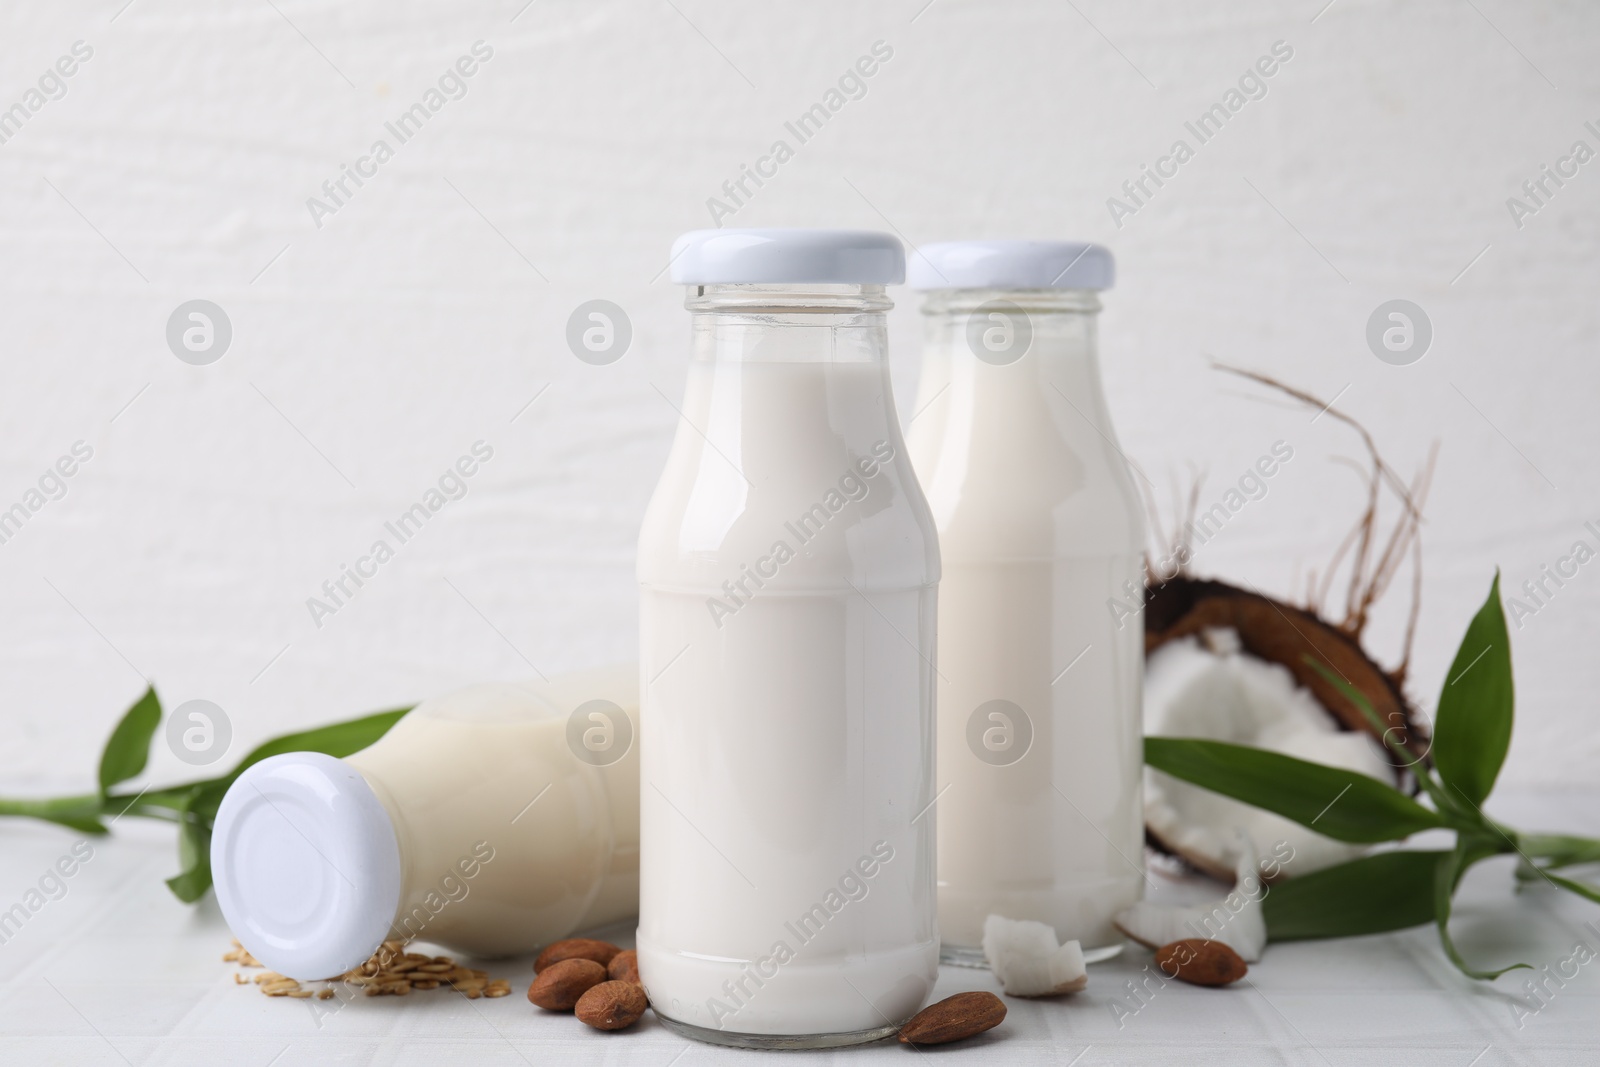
(1281, 633)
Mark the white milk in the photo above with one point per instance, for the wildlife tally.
(491, 768)
(491, 820)
(1039, 527)
(788, 568)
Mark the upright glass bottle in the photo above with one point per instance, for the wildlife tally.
(788, 568)
(1039, 530)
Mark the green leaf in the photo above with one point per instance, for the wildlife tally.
(194, 856)
(1344, 805)
(1370, 895)
(1572, 885)
(1472, 728)
(1447, 875)
(128, 748)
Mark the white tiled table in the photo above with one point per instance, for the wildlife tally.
(118, 972)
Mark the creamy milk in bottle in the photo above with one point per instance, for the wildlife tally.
(1039, 528)
(491, 820)
(788, 567)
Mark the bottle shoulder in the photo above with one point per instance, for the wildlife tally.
(869, 523)
(1025, 462)
(797, 469)
(1036, 502)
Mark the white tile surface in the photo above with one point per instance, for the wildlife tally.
(118, 972)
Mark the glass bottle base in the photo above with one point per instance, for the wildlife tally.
(775, 1041)
(959, 956)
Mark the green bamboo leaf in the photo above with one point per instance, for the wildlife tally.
(1344, 805)
(194, 857)
(1472, 728)
(128, 748)
(1447, 875)
(1370, 895)
(1572, 885)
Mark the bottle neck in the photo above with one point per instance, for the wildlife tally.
(781, 299)
(1002, 340)
(1035, 302)
(789, 323)
(1009, 363)
(787, 385)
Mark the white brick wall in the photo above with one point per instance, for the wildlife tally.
(432, 306)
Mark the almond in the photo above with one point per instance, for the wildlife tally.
(953, 1019)
(612, 1005)
(576, 948)
(624, 967)
(1201, 962)
(559, 985)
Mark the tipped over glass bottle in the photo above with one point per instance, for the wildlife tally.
(490, 820)
(1040, 532)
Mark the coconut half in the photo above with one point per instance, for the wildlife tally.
(1208, 686)
(1234, 664)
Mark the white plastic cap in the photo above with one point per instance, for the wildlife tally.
(776, 257)
(1012, 265)
(306, 865)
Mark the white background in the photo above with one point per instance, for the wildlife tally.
(373, 351)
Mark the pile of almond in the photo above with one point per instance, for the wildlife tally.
(599, 983)
(595, 980)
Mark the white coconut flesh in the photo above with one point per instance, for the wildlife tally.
(1208, 687)
(1236, 920)
(1025, 956)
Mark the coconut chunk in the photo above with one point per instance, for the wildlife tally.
(1028, 960)
(1236, 920)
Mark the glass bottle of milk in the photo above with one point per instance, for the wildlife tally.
(491, 820)
(1040, 526)
(788, 567)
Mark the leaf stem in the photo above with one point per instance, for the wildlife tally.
(171, 799)
(1563, 850)
(87, 804)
